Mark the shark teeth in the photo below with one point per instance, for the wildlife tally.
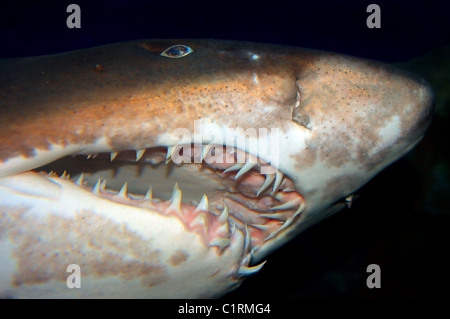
(113, 155)
(223, 230)
(286, 224)
(300, 209)
(277, 216)
(223, 217)
(269, 179)
(261, 227)
(79, 181)
(170, 151)
(278, 180)
(233, 168)
(204, 204)
(175, 201)
(149, 194)
(248, 240)
(201, 220)
(139, 154)
(286, 205)
(274, 209)
(96, 188)
(245, 271)
(206, 149)
(123, 191)
(247, 166)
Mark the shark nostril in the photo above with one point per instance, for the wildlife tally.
(299, 117)
(298, 114)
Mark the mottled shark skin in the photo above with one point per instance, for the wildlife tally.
(336, 120)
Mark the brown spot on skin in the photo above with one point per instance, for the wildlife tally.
(349, 101)
(179, 257)
(100, 247)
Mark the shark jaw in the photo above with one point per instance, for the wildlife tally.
(216, 203)
(214, 190)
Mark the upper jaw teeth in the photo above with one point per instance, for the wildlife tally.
(247, 166)
(139, 154)
(204, 204)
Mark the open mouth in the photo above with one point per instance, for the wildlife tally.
(211, 189)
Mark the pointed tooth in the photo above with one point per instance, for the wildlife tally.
(300, 209)
(272, 235)
(287, 223)
(201, 220)
(89, 156)
(349, 200)
(123, 191)
(204, 204)
(206, 149)
(261, 227)
(96, 188)
(149, 194)
(267, 182)
(246, 260)
(103, 185)
(223, 217)
(247, 166)
(94, 156)
(63, 175)
(248, 239)
(278, 180)
(277, 216)
(170, 151)
(175, 201)
(113, 155)
(287, 205)
(235, 167)
(79, 181)
(139, 154)
(247, 271)
(220, 242)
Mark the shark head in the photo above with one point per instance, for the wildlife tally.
(170, 168)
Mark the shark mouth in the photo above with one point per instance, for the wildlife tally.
(212, 189)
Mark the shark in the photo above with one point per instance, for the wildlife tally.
(173, 168)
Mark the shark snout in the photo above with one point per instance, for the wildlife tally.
(409, 105)
(360, 116)
(421, 110)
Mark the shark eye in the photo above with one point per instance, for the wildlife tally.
(177, 51)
